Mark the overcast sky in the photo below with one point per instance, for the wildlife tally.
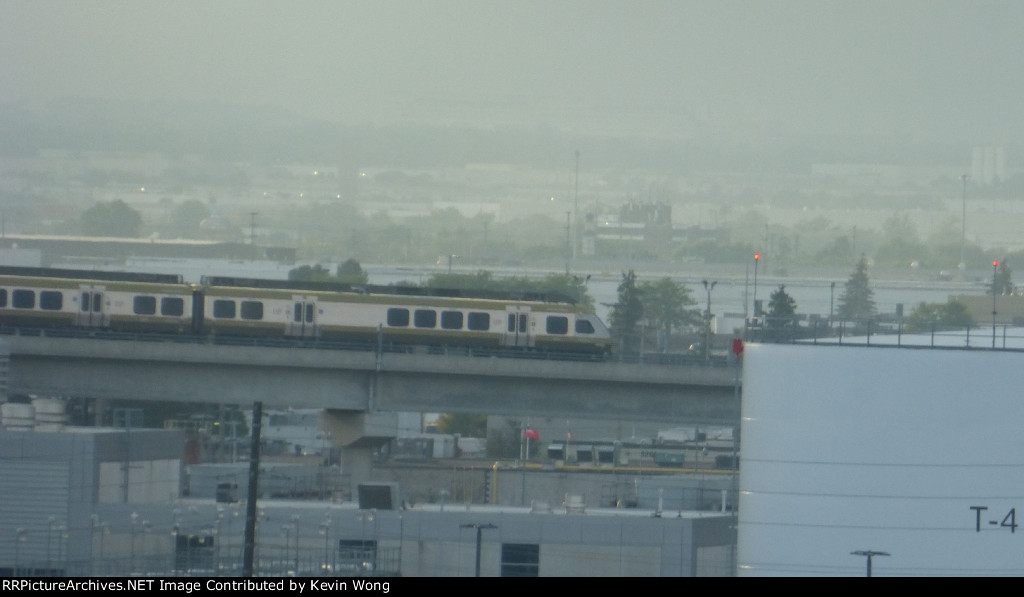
(744, 70)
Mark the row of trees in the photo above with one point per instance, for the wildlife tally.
(666, 306)
(857, 304)
(663, 306)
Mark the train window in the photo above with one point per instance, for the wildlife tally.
(425, 318)
(479, 321)
(398, 318)
(451, 320)
(144, 305)
(51, 300)
(23, 299)
(85, 301)
(172, 306)
(511, 322)
(558, 325)
(224, 309)
(251, 310)
(584, 327)
(3, 297)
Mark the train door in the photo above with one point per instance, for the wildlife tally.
(303, 322)
(517, 331)
(91, 311)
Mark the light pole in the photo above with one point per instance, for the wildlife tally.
(831, 304)
(135, 521)
(368, 555)
(757, 259)
(294, 523)
(19, 536)
(325, 530)
(708, 287)
(576, 207)
(252, 227)
(995, 268)
(53, 526)
(868, 553)
(963, 224)
(479, 529)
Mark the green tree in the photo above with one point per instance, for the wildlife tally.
(780, 319)
(781, 306)
(113, 218)
(555, 287)
(187, 216)
(857, 300)
(926, 317)
(309, 273)
(626, 314)
(902, 245)
(350, 272)
(668, 306)
(463, 424)
(504, 442)
(1002, 281)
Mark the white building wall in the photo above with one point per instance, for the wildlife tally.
(885, 449)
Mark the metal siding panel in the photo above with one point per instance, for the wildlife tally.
(33, 492)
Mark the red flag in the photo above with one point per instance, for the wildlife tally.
(531, 434)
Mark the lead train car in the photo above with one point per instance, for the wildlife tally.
(42, 297)
(398, 316)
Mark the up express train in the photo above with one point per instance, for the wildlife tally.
(138, 302)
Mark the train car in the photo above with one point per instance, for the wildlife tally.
(397, 316)
(57, 298)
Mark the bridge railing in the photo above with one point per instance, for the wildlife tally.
(689, 358)
(886, 332)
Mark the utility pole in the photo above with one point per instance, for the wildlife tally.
(963, 225)
(868, 554)
(707, 317)
(995, 272)
(576, 206)
(252, 227)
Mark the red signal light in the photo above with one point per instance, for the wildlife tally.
(995, 263)
(757, 256)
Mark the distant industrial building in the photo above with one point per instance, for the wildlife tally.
(83, 250)
(98, 502)
(637, 228)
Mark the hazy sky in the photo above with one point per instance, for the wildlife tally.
(747, 70)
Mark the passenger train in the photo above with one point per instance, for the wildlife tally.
(138, 302)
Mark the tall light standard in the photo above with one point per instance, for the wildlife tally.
(831, 304)
(995, 268)
(963, 224)
(576, 207)
(708, 287)
(868, 553)
(479, 529)
(757, 259)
